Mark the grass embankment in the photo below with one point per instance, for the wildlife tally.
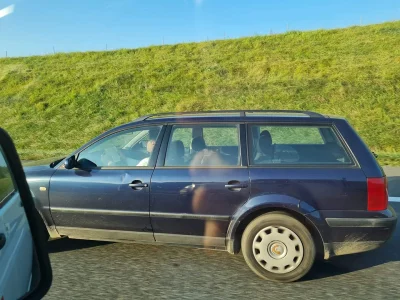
(6, 187)
(52, 104)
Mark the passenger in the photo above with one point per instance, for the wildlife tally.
(203, 156)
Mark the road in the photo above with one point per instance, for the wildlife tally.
(393, 176)
(100, 270)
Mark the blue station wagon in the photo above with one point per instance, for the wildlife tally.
(283, 187)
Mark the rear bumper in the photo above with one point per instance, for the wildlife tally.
(351, 247)
(346, 235)
(361, 222)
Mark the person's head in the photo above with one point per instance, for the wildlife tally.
(153, 133)
(150, 145)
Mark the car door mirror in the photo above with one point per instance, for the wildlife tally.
(86, 164)
(70, 162)
(25, 271)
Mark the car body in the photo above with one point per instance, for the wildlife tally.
(16, 246)
(203, 179)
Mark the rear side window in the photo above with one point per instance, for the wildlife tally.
(203, 146)
(299, 145)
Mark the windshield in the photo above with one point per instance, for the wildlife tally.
(322, 81)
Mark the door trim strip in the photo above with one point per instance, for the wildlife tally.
(108, 212)
(140, 214)
(190, 216)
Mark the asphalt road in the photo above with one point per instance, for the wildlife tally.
(393, 176)
(100, 270)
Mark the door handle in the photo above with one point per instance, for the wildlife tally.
(138, 185)
(236, 186)
(2, 240)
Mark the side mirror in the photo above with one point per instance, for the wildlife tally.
(85, 164)
(70, 163)
(25, 271)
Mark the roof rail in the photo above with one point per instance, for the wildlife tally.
(311, 114)
(242, 113)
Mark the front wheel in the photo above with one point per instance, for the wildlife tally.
(278, 247)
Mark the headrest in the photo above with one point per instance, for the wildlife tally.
(177, 148)
(265, 141)
(198, 144)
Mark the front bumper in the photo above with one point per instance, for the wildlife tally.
(344, 234)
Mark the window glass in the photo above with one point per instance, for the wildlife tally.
(207, 145)
(280, 144)
(294, 134)
(184, 135)
(6, 182)
(217, 136)
(129, 148)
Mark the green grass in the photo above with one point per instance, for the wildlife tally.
(6, 187)
(389, 159)
(53, 104)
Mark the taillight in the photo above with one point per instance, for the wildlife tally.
(377, 193)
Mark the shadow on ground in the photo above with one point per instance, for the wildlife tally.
(66, 244)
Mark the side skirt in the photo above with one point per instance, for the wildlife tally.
(217, 243)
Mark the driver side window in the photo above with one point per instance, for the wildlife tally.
(128, 148)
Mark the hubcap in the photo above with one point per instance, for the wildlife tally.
(278, 249)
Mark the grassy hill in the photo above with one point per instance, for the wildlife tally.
(52, 104)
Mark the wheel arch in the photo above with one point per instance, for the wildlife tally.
(239, 223)
(51, 229)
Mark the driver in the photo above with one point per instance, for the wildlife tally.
(150, 147)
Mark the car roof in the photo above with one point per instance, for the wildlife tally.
(295, 116)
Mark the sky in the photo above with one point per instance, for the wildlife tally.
(38, 27)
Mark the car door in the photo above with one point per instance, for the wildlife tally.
(16, 248)
(199, 182)
(109, 201)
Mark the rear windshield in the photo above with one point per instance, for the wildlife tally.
(304, 145)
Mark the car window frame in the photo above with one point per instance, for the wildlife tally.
(353, 161)
(241, 145)
(10, 195)
(153, 157)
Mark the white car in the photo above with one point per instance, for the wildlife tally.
(16, 248)
(25, 270)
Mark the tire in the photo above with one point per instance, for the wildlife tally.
(278, 247)
(42, 226)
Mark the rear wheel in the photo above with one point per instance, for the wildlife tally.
(278, 247)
